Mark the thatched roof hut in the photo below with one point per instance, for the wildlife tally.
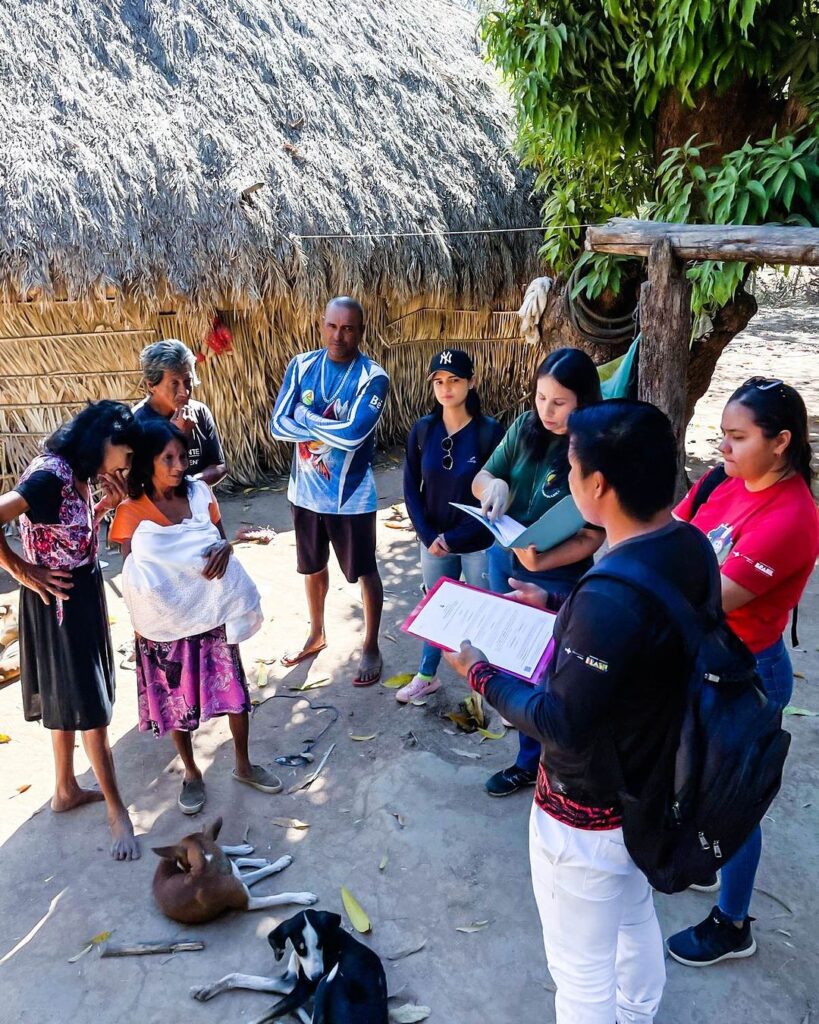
(162, 162)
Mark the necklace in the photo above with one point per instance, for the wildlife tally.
(322, 389)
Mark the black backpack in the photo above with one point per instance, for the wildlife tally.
(718, 775)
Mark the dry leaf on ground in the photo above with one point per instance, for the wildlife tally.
(355, 912)
(800, 712)
(312, 684)
(468, 929)
(289, 823)
(409, 1013)
(466, 753)
(4, 738)
(383, 862)
(363, 739)
(416, 948)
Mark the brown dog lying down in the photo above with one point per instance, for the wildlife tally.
(196, 881)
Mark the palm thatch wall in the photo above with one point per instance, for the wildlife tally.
(163, 161)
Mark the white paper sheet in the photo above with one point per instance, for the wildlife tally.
(513, 636)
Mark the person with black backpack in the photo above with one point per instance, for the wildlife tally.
(444, 452)
(608, 714)
(757, 511)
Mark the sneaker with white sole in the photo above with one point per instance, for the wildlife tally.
(418, 687)
(714, 939)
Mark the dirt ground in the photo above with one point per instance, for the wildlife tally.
(412, 795)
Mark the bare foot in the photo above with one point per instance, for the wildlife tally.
(369, 668)
(75, 798)
(313, 646)
(125, 845)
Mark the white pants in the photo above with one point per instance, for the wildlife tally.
(602, 938)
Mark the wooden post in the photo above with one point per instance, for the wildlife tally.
(665, 324)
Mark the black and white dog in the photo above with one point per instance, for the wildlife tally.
(343, 977)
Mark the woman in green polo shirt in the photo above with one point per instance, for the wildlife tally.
(525, 476)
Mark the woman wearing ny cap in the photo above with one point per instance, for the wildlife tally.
(445, 450)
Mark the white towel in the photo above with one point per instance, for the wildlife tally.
(533, 307)
(167, 596)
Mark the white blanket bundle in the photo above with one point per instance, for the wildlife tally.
(167, 596)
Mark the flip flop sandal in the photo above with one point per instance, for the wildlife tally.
(289, 662)
(261, 779)
(192, 798)
(358, 681)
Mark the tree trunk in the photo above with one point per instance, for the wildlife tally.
(556, 329)
(665, 322)
(705, 351)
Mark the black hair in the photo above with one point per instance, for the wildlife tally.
(775, 407)
(156, 433)
(81, 441)
(348, 303)
(633, 445)
(572, 369)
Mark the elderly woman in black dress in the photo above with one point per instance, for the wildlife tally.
(66, 661)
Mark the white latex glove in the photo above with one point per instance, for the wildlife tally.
(495, 499)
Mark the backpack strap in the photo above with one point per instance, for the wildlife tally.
(709, 484)
(690, 622)
(486, 442)
(422, 431)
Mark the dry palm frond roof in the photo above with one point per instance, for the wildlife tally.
(129, 130)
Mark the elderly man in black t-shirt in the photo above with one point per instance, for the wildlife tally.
(169, 370)
(615, 686)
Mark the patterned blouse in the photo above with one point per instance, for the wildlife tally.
(72, 540)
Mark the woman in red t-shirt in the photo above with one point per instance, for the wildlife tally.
(763, 525)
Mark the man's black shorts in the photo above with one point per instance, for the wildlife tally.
(352, 537)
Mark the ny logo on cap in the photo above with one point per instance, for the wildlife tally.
(446, 358)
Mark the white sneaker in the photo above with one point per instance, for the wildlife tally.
(417, 687)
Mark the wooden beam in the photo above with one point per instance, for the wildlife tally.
(753, 243)
(665, 325)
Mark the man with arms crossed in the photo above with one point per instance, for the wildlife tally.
(329, 404)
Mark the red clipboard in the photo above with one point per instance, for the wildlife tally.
(544, 659)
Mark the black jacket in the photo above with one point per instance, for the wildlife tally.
(617, 677)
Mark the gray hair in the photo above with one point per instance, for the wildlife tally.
(170, 354)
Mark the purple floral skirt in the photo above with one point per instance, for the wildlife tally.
(183, 682)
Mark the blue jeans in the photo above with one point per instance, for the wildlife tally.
(433, 568)
(502, 564)
(776, 673)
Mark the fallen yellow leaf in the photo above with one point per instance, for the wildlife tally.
(22, 789)
(492, 735)
(4, 738)
(394, 682)
(261, 675)
(363, 739)
(355, 912)
(100, 937)
(289, 823)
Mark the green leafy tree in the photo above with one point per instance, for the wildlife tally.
(703, 111)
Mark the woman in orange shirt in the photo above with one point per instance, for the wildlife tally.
(192, 678)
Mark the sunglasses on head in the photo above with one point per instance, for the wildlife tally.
(447, 462)
(763, 383)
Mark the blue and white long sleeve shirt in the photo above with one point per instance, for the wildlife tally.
(330, 411)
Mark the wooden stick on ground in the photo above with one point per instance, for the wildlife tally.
(147, 948)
